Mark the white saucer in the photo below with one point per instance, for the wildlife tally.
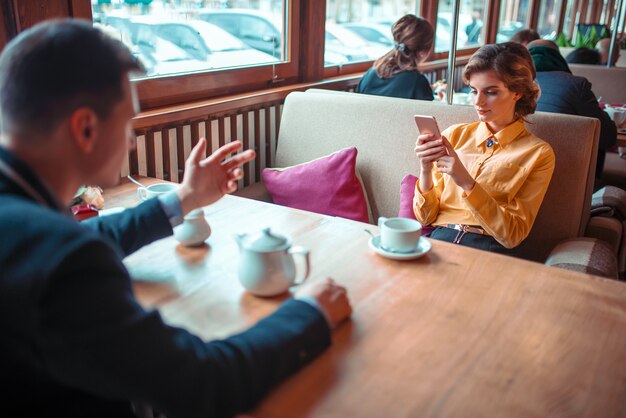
(423, 247)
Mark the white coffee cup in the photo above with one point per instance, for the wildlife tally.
(400, 235)
(618, 114)
(154, 190)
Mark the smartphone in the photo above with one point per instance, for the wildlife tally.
(427, 125)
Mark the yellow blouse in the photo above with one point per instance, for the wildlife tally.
(512, 176)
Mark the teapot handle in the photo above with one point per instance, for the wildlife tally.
(305, 253)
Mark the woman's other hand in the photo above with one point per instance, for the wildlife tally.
(428, 149)
(451, 164)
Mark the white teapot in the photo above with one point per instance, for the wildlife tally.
(266, 266)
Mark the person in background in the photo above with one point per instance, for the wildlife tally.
(395, 74)
(75, 342)
(583, 56)
(604, 47)
(525, 36)
(473, 29)
(481, 184)
(563, 92)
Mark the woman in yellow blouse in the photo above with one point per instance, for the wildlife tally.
(482, 183)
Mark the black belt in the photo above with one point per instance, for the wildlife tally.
(463, 229)
(474, 229)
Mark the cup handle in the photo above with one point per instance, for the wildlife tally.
(142, 193)
(381, 220)
(305, 253)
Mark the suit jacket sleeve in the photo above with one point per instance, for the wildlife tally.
(588, 106)
(133, 228)
(97, 338)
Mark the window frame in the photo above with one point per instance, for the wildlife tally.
(176, 89)
(305, 59)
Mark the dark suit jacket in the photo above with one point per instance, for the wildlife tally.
(76, 343)
(405, 85)
(562, 92)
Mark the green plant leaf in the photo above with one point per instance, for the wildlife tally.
(591, 38)
(562, 40)
(580, 41)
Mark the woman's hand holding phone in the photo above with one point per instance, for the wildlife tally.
(430, 148)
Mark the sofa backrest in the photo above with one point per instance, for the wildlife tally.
(608, 83)
(315, 124)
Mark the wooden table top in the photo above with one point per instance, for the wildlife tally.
(458, 332)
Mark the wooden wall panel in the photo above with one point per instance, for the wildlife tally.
(180, 151)
(8, 29)
(150, 155)
(80, 9)
(245, 141)
(312, 23)
(165, 152)
(31, 12)
(257, 143)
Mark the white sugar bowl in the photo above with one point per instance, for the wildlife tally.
(194, 230)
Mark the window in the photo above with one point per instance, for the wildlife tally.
(471, 33)
(568, 21)
(513, 18)
(182, 37)
(244, 44)
(361, 31)
(549, 18)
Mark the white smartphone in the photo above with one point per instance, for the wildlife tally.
(427, 125)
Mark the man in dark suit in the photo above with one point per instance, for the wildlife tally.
(75, 343)
(563, 92)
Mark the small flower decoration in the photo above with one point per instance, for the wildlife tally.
(89, 195)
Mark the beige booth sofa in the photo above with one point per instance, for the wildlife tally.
(318, 123)
(610, 85)
(607, 83)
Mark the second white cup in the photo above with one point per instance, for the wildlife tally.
(154, 190)
(618, 114)
(400, 235)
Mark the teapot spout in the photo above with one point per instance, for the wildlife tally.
(239, 239)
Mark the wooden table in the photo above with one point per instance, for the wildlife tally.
(458, 332)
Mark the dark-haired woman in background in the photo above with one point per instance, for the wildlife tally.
(395, 74)
(482, 183)
(525, 36)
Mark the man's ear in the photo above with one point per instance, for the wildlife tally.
(84, 128)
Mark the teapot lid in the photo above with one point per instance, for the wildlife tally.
(266, 241)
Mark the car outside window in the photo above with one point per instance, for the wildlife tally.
(160, 32)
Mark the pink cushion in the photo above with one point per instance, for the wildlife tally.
(327, 185)
(407, 192)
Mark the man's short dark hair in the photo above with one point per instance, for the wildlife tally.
(583, 56)
(56, 67)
